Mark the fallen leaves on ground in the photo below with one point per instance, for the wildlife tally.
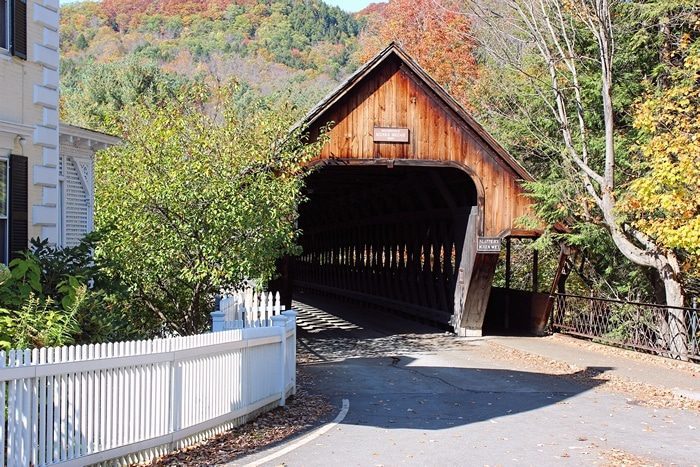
(302, 412)
(640, 393)
(687, 367)
(619, 458)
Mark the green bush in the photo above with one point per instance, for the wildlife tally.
(52, 296)
(37, 323)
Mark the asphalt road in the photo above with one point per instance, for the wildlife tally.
(420, 397)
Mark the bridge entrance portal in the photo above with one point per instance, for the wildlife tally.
(390, 236)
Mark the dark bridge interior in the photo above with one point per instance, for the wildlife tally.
(387, 236)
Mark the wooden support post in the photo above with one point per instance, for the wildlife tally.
(561, 283)
(535, 270)
(285, 281)
(558, 282)
(477, 298)
(469, 304)
(508, 271)
(506, 303)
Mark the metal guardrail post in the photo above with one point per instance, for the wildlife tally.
(694, 327)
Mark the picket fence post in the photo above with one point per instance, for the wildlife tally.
(291, 315)
(245, 309)
(217, 321)
(280, 322)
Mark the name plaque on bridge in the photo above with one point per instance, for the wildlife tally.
(488, 245)
(390, 135)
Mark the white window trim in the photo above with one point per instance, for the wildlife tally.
(87, 187)
(6, 159)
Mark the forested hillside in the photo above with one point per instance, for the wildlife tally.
(597, 125)
(116, 50)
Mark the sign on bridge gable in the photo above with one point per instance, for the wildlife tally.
(390, 135)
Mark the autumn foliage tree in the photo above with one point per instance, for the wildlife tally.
(585, 54)
(126, 13)
(437, 37)
(269, 46)
(665, 201)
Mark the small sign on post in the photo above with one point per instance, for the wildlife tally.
(390, 135)
(488, 245)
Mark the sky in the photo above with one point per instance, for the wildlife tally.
(347, 5)
(352, 5)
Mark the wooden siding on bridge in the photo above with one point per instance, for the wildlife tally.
(395, 93)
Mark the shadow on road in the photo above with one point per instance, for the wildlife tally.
(398, 392)
(399, 373)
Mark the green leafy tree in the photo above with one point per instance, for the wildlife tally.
(100, 91)
(81, 42)
(38, 323)
(201, 195)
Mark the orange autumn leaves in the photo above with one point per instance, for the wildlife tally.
(434, 34)
(127, 13)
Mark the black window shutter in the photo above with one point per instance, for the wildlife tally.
(19, 28)
(18, 206)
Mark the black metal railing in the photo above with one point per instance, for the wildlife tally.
(668, 331)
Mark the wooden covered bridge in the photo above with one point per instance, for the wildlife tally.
(410, 200)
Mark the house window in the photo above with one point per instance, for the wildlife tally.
(4, 24)
(4, 166)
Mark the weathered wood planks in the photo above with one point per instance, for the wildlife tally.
(392, 95)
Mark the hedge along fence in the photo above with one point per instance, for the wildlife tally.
(133, 401)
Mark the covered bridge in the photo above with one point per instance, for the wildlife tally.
(410, 200)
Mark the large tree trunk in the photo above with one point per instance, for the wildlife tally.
(628, 239)
(656, 283)
(672, 324)
(677, 325)
(665, 54)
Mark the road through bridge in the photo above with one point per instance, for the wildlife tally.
(417, 396)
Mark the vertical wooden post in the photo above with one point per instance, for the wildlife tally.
(535, 270)
(558, 285)
(508, 263)
(561, 282)
(506, 308)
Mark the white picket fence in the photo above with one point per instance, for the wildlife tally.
(128, 402)
(246, 309)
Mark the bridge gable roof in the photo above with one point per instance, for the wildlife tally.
(392, 53)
